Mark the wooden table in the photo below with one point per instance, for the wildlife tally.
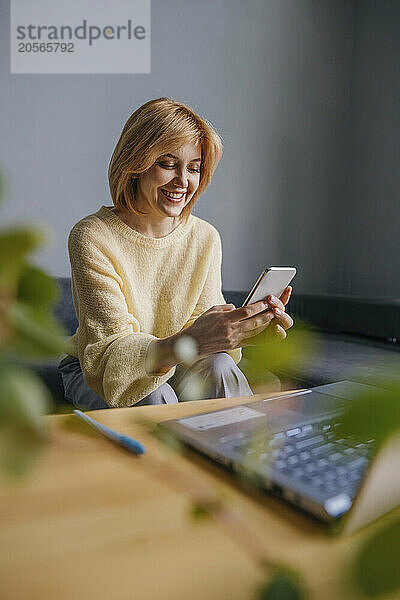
(92, 521)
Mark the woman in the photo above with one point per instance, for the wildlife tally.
(146, 273)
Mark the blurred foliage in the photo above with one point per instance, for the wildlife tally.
(284, 585)
(23, 400)
(205, 509)
(374, 413)
(168, 438)
(376, 568)
(28, 330)
(199, 513)
(271, 354)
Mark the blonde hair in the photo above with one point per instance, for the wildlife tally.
(159, 126)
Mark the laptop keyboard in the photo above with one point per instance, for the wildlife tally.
(314, 454)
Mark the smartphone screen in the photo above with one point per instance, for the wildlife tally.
(272, 281)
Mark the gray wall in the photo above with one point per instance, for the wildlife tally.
(371, 212)
(275, 77)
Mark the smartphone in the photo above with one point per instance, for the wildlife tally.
(272, 280)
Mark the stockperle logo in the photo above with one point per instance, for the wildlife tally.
(80, 36)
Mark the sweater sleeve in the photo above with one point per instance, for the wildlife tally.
(111, 347)
(211, 293)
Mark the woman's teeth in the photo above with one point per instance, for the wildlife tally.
(173, 197)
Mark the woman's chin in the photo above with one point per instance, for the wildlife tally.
(174, 210)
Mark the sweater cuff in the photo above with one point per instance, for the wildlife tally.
(158, 373)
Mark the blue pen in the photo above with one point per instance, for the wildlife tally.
(123, 440)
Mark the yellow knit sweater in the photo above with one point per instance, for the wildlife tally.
(129, 289)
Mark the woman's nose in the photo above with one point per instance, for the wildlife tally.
(181, 177)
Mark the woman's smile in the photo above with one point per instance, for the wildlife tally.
(174, 197)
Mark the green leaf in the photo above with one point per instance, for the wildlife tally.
(273, 354)
(376, 568)
(285, 585)
(75, 425)
(36, 333)
(199, 513)
(15, 244)
(36, 288)
(170, 439)
(23, 400)
(372, 414)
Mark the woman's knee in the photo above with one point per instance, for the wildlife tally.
(76, 390)
(219, 362)
(78, 393)
(164, 394)
(222, 377)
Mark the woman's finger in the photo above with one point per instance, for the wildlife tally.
(258, 323)
(286, 295)
(283, 318)
(280, 332)
(250, 310)
(275, 302)
(282, 301)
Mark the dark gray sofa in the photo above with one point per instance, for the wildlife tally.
(355, 338)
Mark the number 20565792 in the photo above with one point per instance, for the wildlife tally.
(46, 47)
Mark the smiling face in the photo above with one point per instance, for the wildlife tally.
(169, 184)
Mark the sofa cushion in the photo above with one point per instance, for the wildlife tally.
(65, 310)
(336, 357)
(377, 318)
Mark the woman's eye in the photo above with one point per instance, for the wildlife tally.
(169, 166)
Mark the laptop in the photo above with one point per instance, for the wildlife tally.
(288, 446)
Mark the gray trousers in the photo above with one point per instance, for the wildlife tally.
(215, 376)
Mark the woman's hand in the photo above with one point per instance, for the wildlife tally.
(278, 325)
(224, 327)
(282, 320)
